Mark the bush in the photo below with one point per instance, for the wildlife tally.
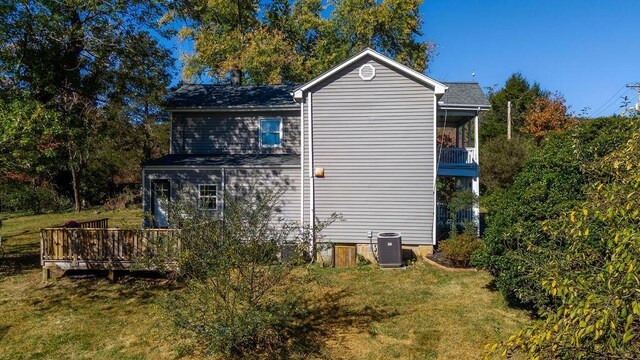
(459, 248)
(18, 197)
(502, 160)
(551, 183)
(241, 298)
(594, 280)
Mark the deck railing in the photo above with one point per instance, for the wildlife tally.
(457, 156)
(93, 224)
(103, 247)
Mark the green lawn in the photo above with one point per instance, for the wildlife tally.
(364, 313)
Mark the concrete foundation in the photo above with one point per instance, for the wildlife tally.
(324, 255)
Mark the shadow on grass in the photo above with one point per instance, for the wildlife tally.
(14, 264)
(327, 317)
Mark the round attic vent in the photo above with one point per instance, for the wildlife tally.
(367, 72)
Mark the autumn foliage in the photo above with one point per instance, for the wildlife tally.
(548, 114)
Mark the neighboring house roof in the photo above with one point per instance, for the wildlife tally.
(217, 96)
(439, 87)
(464, 95)
(224, 160)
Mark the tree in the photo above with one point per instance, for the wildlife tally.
(521, 94)
(546, 115)
(502, 160)
(595, 279)
(292, 42)
(80, 59)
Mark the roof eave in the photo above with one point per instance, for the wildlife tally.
(231, 108)
(464, 107)
(439, 87)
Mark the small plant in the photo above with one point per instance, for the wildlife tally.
(459, 248)
(362, 261)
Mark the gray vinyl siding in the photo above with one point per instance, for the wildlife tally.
(375, 141)
(230, 132)
(185, 181)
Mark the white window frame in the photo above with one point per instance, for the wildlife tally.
(215, 186)
(279, 130)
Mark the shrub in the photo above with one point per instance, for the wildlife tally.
(241, 299)
(551, 183)
(502, 160)
(594, 280)
(18, 197)
(459, 248)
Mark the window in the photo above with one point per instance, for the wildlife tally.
(208, 197)
(270, 132)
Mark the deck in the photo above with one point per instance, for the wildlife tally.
(95, 246)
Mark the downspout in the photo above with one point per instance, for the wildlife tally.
(312, 210)
(435, 167)
(302, 165)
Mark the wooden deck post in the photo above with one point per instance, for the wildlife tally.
(46, 274)
(111, 275)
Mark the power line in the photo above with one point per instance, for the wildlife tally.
(602, 107)
(611, 102)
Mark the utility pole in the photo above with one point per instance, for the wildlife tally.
(509, 120)
(636, 106)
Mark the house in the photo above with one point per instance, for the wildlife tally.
(359, 139)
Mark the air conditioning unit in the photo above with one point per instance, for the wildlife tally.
(389, 249)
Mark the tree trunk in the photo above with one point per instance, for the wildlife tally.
(74, 183)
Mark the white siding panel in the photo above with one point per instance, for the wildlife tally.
(375, 141)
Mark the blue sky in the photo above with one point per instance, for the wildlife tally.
(587, 50)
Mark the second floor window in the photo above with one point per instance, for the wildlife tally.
(270, 132)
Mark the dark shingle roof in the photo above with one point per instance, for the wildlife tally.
(465, 94)
(229, 96)
(224, 160)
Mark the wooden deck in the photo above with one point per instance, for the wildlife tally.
(96, 246)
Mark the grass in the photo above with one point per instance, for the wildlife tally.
(363, 313)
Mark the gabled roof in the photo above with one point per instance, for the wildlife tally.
(439, 87)
(464, 95)
(217, 96)
(224, 160)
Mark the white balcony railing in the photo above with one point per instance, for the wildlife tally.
(457, 156)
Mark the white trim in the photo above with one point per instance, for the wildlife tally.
(364, 77)
(144, 199)
(439, 87)
(473, 108)
(312, 210)
(266, 118)
(215, 186)
(301, 165)
(435, 170)
(476, 180)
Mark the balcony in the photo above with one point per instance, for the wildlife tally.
(455, 156)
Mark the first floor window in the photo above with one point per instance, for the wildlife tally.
(208, 197)
(270, 132)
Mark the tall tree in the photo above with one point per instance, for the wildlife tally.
(546, 115)
(285, 41)
(521, 94)
(81, 58)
